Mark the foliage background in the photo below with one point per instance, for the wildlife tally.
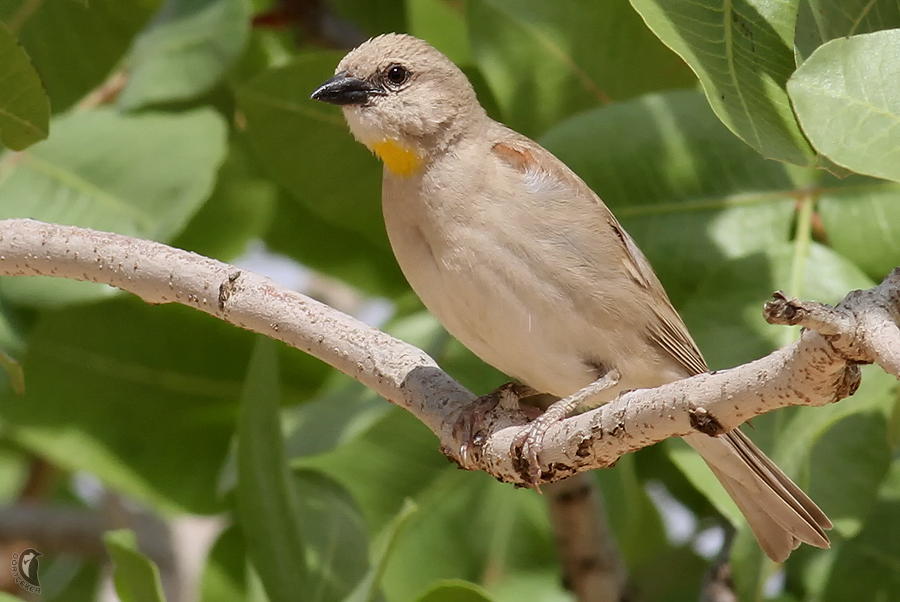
(763, 155)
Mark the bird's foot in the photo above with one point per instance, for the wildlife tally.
(527, 444)
(470, 427)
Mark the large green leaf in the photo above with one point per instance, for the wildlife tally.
(742, 51)
(636, 522)
(691, 194)
(725, 313)
(847, 98)
(394, 459)
(374, 16)
(307, 148)
(327, 246)
(547, 60)
(369, 586)
(861, 218)
(224, 575)
(819, 21)
(467, 521)
(455, 590)
(841, 452)
(867, 567)
(240, 208)
(24, 106)
(335, 535)
(130, 392)
(74, 47)
(443, 24)
(267, 500)
(136, 576)
(142, 175)
(185, 50)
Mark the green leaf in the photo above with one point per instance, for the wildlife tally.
(335, 535)
(862, 222)
(544, 585)
(725, 313)
(455, 590)
(693, 196)
(307, 148)
(332, 419)
(547, 60)
(14, 373)
(24, 106)
(136, 576)
(75, 48)
(742, 51)
(636, 523)
(224, 576)
(267, 500)
(702, 478)
(185, 50)
(442, 23)
(374, 16)
(240, 208)
(819, 21)
(14, 468)
(368, 587)
(333, 249)
(847, 98)
(841, 452)
(394, 459)
(4, 597)
(867, 567)
(142, 175)
(130, 392)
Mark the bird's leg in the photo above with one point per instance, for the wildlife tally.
(527, 444)
(469, 427)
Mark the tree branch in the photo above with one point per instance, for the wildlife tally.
(815, 370)
(593, 568)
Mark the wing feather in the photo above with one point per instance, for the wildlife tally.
(668, 331)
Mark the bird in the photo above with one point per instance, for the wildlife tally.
(527, 267)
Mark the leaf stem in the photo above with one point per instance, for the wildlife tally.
(802, 243)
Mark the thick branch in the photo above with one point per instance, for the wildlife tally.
(813, 371)
(592, 567)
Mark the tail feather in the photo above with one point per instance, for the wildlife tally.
(780, 514)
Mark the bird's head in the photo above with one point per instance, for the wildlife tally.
(403, 99)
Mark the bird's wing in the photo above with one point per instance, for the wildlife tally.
(668, 330)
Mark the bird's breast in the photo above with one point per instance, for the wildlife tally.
(512, 278)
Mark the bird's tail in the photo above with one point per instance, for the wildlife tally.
(780, 514)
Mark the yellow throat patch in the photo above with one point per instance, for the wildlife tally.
(400, 160)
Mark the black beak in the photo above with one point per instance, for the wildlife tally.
(345, 90)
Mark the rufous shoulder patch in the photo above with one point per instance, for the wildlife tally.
(516, 156)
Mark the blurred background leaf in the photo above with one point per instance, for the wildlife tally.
(74, 47)
(143, 175)
(544, 62)
(136, 577)
(24, 106)
(185, 50)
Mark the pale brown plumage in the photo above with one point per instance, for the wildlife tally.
(527, 267)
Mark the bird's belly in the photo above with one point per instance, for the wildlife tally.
(509, 317)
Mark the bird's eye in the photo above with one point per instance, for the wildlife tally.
(397, 75)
